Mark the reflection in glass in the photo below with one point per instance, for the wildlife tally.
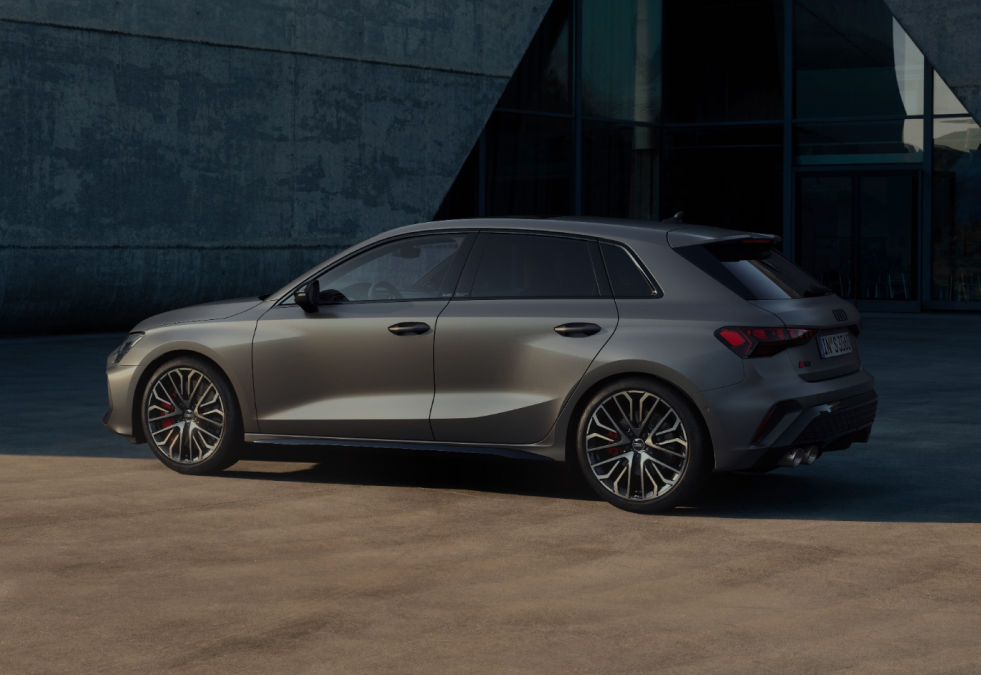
(856, 233)
(541, 81)
(887, 222)
(529, 165)
(956, 231)
(727, 177)
(723, 60)
(824, 221)
(621, 59)
(944, 100)
(859, 142)
(619, 170)
(851, 57)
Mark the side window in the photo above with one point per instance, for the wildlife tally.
(414, 268)
(626, 278)
(535, 266)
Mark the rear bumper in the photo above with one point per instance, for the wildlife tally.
(824, 428)
(827, 415)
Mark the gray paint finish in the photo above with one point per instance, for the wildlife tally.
(159, 155)
(947, 32)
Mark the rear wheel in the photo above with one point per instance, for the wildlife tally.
(191, 418)
(641, 446)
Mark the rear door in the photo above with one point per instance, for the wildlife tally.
(531, 313)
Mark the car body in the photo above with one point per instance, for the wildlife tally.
(466, 356)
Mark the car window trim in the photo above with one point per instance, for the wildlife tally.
(658, 292)
(462, 254)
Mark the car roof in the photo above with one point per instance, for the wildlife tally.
(611, 228)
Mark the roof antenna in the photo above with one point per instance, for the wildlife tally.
(678, 217)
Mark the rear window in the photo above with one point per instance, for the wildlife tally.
(534, 266)
(754, 271)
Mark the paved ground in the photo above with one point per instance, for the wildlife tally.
(870, 560)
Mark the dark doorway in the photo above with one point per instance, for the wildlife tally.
(856, 232)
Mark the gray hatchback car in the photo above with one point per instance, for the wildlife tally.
(648, 354)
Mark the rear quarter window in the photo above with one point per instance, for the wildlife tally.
(754, 271)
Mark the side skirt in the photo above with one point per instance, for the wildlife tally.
(429, 446)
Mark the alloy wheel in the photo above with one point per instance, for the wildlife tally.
(185, 415)
(636, 445)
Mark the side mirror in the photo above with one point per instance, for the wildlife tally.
(332, 297)
(308, 296)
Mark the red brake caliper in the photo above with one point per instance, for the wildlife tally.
(168, 422)
(614, 436)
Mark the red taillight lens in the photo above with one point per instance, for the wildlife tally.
(752, 342)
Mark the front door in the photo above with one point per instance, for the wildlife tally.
(362, 367)
(856, 232)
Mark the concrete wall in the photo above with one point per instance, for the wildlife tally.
(162, 153)
(948, 32)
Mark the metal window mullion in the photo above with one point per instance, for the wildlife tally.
(925, 270)
(789, 226)
(577, 106)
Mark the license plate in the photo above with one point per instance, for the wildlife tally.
(834, 345)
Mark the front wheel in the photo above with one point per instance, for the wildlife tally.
(641, 446)
(191, 418)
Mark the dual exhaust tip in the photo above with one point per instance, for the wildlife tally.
(798, 456)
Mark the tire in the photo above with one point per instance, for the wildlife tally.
(190, 417)
(641, 446)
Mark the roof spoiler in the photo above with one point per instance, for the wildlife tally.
(695, 235)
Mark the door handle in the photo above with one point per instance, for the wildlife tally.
(577, 329)
(409, 328)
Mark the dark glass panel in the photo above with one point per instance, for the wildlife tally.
(728, 177)
(626, 278)
(852, 58)
(825, 224)
(887, 223)
(723, 60)
(621, 59)
(541, 81)
(956, 232)
(534, 266)
(461, 201)
(859, 143)
(856, 233)
(529, 165)
(619, 170)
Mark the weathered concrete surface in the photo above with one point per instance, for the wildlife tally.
(947, 31)
(485, 37)
(160, 154)
(867, 561)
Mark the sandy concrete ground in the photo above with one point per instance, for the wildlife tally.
(868, 561)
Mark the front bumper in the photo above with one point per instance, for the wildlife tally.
(122, 382)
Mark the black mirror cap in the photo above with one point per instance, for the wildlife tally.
(308, 296)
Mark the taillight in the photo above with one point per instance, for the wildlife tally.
(751, 342)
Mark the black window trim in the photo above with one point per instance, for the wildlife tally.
(658, 292)
(469, 237)
(468, 275)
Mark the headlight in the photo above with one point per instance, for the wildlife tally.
(128, 343)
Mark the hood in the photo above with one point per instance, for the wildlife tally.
(208, 311)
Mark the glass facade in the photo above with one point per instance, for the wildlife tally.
(819, 120)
